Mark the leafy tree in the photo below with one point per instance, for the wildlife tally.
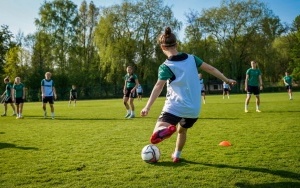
(243, 31)
(16, 63)
(84, 54)
(6, 43)
(58, 20)
(127, 35)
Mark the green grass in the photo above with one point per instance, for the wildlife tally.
(92, 145)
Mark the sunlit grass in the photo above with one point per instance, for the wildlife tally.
(93, 145)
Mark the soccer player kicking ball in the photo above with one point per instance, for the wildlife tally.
(183, 102)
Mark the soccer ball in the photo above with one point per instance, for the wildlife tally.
(150, 153)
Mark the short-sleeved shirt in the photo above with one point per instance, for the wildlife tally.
(183, 89)
(130, 80)
(18, 90)
(288, 80)
(253, 79)
(8, 88)
(48, 87)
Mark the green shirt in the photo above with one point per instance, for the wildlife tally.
(165, 73)
(8, 88)
(288, 79)
(18, 90)
(253, 79)
(130, 80)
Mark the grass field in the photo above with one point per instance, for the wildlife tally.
(93, 145)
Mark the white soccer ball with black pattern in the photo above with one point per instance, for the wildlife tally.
(150, 153)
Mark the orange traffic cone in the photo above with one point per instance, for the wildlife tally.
(225, 143)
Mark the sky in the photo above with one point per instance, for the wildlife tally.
(19, 15)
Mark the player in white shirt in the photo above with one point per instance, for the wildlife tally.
(226, 89)
(48, 93)
(183, 104)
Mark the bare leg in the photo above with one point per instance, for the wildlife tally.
(131, 104)
(5, 108)
(247, 102)
(21, 109)
(257, 103)
(13, 107)
(181, 139)
(44, 109)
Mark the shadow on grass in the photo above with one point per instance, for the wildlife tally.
(281, 173)
(281, 111)
(8, 145)
(271, 185)
(71, 118)
(2, 132)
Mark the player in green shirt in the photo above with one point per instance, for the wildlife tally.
(7, 97)
(129, 90)
(287, 79)
(19, 96)
(253, 84)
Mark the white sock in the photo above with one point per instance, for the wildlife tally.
(177, 154)
(246, 107)
(257, 107)
(52, 114)
(128, 111)
(132, 112)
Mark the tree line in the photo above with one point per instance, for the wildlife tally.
(91, 46)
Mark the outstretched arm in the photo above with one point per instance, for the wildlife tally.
(215, 72)
(154, 94)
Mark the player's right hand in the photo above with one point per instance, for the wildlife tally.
(145, 111)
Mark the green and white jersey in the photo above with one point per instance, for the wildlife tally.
(183, 88)
(253, 79)
(130, 80)
(8, 88)
(288, 80)
(18, 90)
(48, 87)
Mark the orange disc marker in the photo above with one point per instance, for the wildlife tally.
(225, 143)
